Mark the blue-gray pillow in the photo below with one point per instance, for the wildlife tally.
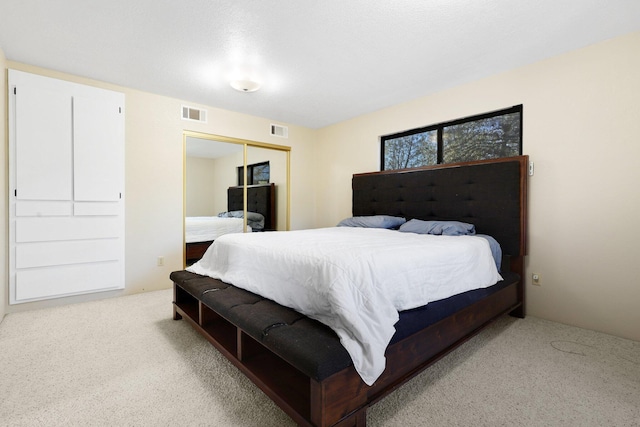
(254, 219)
(445, 228)
(373, 221)
(496, 250)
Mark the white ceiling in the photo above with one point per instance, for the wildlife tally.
(319, 61)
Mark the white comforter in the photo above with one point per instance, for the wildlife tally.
(354, 280)
(205, 228)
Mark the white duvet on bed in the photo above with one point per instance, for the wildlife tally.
(205, 228)
(355, 280)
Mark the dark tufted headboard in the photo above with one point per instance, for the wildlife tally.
(260, 199)
(491, 194)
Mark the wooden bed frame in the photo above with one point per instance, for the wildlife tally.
(260, 199)
(490, 194)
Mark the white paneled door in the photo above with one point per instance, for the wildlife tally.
(43, 163)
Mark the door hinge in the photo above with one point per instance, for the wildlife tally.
(15, 92)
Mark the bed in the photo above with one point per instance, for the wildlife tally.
(301, 364)
(200, 232)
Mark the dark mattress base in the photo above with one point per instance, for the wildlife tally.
(411, 321)
(260, 336)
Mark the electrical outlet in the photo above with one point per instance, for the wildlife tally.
(160, 261)
(536, 279)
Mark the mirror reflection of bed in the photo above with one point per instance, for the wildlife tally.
(201, 231)
(213, 203)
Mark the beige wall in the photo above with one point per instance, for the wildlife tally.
(154, 182)
(226, 176)
(201, 196)
(581, 128)
(4, 289)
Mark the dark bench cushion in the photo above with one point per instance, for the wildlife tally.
(306, 344)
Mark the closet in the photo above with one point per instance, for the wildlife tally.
(66, 188)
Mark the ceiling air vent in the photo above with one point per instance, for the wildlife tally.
(194, 114)
(281, 131)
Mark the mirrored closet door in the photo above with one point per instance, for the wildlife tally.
(232, 186)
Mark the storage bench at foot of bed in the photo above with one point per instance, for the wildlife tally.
(289, 388)
(300, 364)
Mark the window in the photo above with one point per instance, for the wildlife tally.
(485, 136)
(257, 173)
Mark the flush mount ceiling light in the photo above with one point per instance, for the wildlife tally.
(245, 85)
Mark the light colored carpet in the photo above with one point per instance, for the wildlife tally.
(125, 362)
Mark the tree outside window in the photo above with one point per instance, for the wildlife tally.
(486, 136)
(257, 173)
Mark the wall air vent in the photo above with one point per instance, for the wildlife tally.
(280, 131)
(194, 114)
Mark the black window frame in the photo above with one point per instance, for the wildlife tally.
(250, 173)
(439, 127)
